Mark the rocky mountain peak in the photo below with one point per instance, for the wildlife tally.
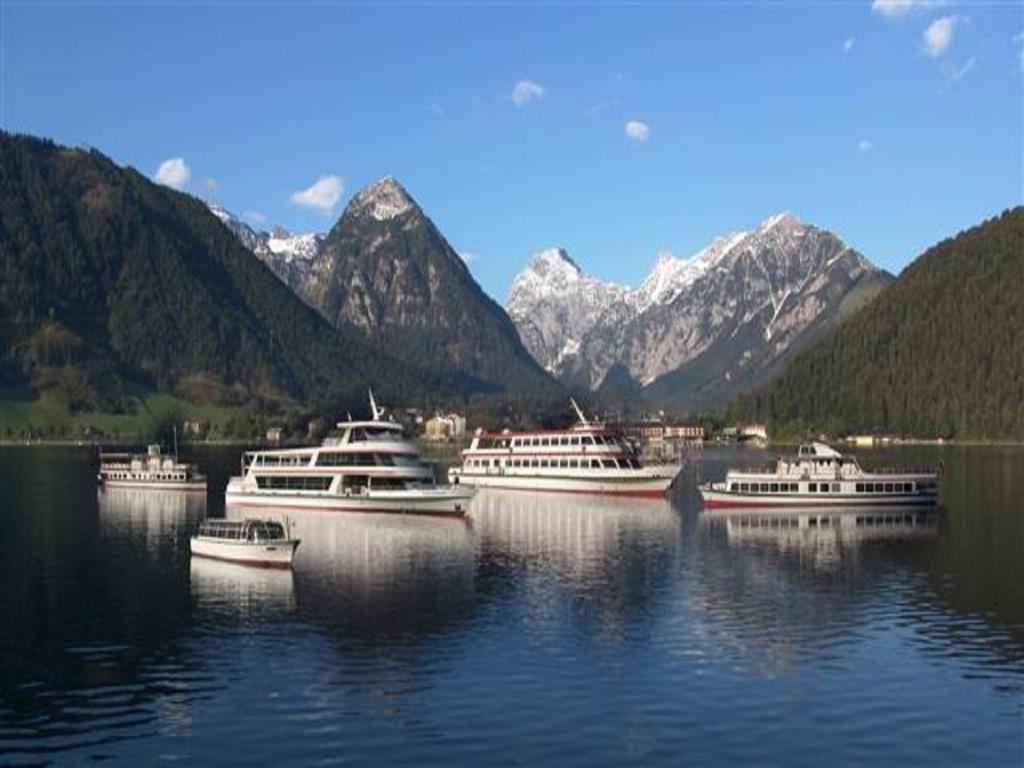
(383, 200)
(554, 261)
(783, 221)
(702, 325)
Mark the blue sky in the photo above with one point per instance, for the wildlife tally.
(894, 123)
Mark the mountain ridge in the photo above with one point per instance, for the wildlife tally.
(781, 277)
(939, 353)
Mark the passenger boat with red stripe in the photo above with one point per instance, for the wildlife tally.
(586, 458)
(364, 466)
(820, 476)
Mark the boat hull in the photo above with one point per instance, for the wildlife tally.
(645, 488)
(157, 485)
(261, 555)
(453, 504)
(727, 500)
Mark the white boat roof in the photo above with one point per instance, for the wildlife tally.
(389, 425)
(819, 450)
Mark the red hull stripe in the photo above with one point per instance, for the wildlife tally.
(250, 563)
(818, 503)
(631, 494)
(377, 511)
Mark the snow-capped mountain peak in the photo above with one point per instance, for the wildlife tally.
(289, 256)
(733, 307)
(383, 200)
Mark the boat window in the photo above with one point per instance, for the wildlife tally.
(575, 440)
(836, 488)
(588, 440)
(734, 487)
(888, 487)
(354, 481)
(764, 487)
(294, 483)
(595, 463)
(775, 488)
(608, 463)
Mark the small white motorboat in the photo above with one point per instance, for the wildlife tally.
(262, 543)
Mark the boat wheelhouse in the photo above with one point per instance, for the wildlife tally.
(821, 476)
(152, 469)
(363, 466)
(247, 542)
(589, 457)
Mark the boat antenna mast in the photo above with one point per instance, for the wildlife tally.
(377, 413)
(579, 413)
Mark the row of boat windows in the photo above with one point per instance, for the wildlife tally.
(548, 442)
(820, 487)
(349, 482)
(342, 460)
(366, 460)
(146, 476)
(294, 483)
(362, 434)
(557, 463)
(250, 530)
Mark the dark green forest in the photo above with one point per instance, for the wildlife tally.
(939, 353)
(113, 285)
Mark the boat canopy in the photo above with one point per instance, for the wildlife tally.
(248, 530)
(818, 450)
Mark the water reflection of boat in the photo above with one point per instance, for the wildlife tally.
(823, 529)
(236, 589)
(381, 573)
(577, 534)
(154, 514)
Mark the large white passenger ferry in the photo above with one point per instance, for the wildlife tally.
(820, 476)
(365, 466)
(152, 469)
(586, 458)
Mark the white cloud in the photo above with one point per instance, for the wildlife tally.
(173, 172)
(865, 145)
(211, 184)
(1019, 40)
(322, 195)
(255, 216)
(525, 91)
(955, 74)
(894, 9)
(638, 131)
(939, 35)
(848, 44)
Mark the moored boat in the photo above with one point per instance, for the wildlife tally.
(364, 466)
(820, 476)
(588, 457)
(152, 469)
(261, 543)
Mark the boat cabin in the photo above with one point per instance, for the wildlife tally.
(242, 530)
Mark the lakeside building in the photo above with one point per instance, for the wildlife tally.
(659, 440)
(445, 427)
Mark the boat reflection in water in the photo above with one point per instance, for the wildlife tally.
(239, 590)
(824, 532)
(159, 517)
(614, 554)
(368, 575)
(783, 589)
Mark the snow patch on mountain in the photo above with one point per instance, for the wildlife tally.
(751, 292)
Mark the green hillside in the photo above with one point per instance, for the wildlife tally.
(940, 352)
(113, 286)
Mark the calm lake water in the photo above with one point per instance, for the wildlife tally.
(547, 630)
